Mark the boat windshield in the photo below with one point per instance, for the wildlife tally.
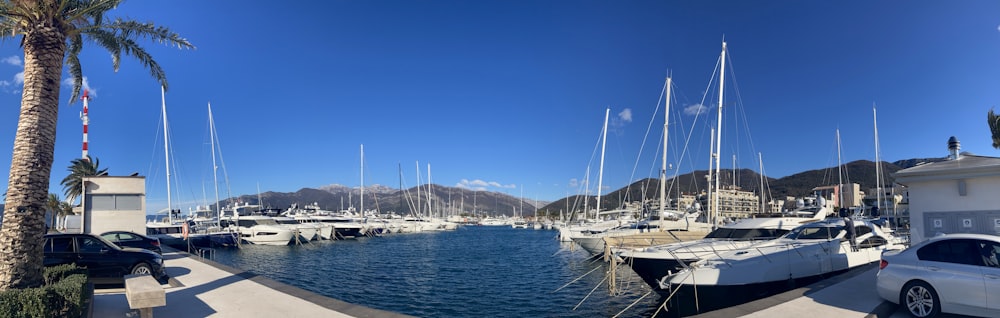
(815, 232)
(252, 222)
(746, 234)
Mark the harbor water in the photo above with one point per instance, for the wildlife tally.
(475, 271)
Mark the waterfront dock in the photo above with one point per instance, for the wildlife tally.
(203, 288)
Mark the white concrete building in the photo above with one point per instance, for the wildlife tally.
(114, 203)
(960, 195)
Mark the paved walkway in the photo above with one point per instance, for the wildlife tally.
(851, 294)
(202, 288)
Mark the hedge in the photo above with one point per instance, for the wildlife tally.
(65, 294)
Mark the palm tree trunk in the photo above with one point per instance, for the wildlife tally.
(34, 144)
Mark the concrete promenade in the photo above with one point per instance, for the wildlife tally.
(202, 288)
(851, 294)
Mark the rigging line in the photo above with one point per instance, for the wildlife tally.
(152, 153)
(222, 162)
(649, 127)
(155, 150)
(741, 109)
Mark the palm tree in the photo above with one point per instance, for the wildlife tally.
(50, 32)
(58, 207)
(994, 121)
(78, 169)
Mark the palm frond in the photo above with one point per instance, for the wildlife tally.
(140, 54)
(136, 30)
(73, 63)
(994, 122)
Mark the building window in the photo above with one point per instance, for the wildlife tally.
(114, 202)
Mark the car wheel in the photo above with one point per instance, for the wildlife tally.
(920, 299)
(142, 269)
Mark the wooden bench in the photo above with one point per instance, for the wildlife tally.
(143, 293)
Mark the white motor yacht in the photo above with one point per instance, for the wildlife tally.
(305, 231)
(808, 252)
(652, 263)
(256, 229)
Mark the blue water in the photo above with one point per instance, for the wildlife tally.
(475, 271)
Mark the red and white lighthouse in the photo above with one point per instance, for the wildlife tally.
(86, 122)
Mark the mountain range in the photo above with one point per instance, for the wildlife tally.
(404, 202)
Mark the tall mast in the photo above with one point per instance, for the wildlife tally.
(663, 169)
(400, 165)
(215, 168)
(419, 207)
(878, 163)
(430, 205)
(166, 150)
(718, 131)
(586, 195)
(840, 174)
(763, 198)
(600, 173)
(710, 175)
(521, 203)
(362, 180)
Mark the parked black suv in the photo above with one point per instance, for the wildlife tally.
(132, 239)
(104, 260)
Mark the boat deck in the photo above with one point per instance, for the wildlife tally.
(648, 239)
(203, 288)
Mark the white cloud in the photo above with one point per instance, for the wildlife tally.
(625, 115)
(11, 85)
(573, 183)
(618, 123)
(695, 109)
(18, 80)
(86, 86)
(480, 185)
(13, 60)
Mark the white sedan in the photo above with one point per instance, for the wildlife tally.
(954, 273)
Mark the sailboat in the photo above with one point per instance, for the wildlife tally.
(165, 229)
(808, 252)
(659, 225)
(613, 222)
(250, 229)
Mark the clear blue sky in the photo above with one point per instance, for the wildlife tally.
(511, 94)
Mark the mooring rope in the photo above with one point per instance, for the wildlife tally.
(578, 278)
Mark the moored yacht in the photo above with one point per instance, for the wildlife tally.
(807, 253)
(257, 229)
(652, 263)
(305, 232)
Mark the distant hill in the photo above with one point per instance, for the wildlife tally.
(801, 184)
(465, 201)
(385, 199)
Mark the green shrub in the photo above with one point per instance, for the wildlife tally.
(28, 303)
(56, 273)
(73, 293)
(65, 295)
